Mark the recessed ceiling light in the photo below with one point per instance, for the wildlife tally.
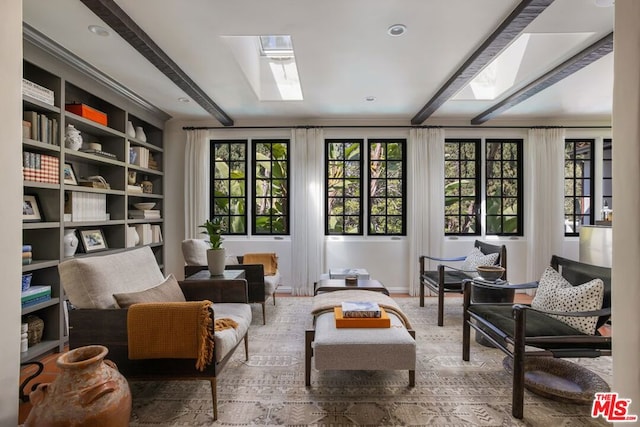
(397, 30)
(98, 30)
(183, 99)
(370, 98)
(604, 3)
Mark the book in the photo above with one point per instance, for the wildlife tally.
(35, 292)
(148, 214)
(27, 248)
(35, 301)
(99, 153)
(361, 322)
(360, 309)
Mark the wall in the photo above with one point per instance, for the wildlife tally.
(386, 258)
(10, 227)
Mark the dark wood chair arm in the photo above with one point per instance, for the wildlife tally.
(489, 285)
(452, 259)
(215, 290)
(598, 313)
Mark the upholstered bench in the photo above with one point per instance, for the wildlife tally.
(373, 349)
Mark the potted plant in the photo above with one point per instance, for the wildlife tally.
(215, 255)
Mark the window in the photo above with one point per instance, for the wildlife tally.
(462, 187)
(504, 187)
(229, 185)
(387, 187)
(607, 189)
(271, 187)
(578, 184)
(343, 173)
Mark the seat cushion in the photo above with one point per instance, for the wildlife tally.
(226, 339)
(90, 282)
(452, 279)
(271, 283)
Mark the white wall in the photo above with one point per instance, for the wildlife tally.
(386, 258)
(10, 227)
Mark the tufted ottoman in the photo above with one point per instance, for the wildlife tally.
(334, 348)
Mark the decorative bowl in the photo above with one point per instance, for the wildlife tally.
(144, 206)
(490, 273)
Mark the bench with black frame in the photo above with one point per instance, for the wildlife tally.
(523, 332)
(447, 279)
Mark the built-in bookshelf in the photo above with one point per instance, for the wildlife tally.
(91, 190)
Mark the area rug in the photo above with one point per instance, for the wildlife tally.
(269, 389)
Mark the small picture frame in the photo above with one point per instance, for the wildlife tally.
(69, 175)
(93, 240)
(31, 209)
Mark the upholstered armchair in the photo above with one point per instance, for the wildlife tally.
(260, 270)
(154, 327)
(447, 278)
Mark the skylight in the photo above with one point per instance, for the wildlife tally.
(269, 63)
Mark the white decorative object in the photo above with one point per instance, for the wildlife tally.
(72, 138)
(131, 131)
(140, 134)
(70, 242)
(215, 261)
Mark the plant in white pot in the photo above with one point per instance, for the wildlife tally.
(215, 255)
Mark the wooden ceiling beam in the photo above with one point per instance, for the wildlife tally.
(116, 18)
(508, 30)
(602, 47)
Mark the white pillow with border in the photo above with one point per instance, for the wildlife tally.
(555, 293)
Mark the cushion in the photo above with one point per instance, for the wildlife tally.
(226, 339)
(90, 282)
(476, 258)
(167, 291)
(194, 251)
(231, 260)
(555, 293)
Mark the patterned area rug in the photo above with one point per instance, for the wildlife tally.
(269, 389)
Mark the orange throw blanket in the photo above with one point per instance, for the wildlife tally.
(268, 260)
(174, 330)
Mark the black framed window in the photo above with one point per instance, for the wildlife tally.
(578, 184)
(607, 169)
(270, 187)
(503, 187)
(343, 172)
(227, 200)
(462, 187)
(387, 187)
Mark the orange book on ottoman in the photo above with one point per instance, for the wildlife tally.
(362, 322)
(88, 113)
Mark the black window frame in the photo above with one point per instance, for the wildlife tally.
(519, 215)
(477, 214)
(573, 179)
(403, 196)
(227, 218)
(607, 172)
(343, 197)
(286, 220)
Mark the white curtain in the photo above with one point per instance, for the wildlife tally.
(544, 206)
(426, 198)
(307, 229)
(196, 182)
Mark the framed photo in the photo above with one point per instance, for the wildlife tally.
(69, 174)
(93, 240)
(31, 209)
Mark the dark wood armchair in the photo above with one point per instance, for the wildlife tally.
(449, 279)
(522, 332)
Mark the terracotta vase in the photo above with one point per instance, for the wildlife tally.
(89, 391)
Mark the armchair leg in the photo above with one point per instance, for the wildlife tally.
(246, 347)
(308, 352)
(440, 305)
(214, 398)
(264, 315)
(466, 336)
(517, 404)
(421, 294)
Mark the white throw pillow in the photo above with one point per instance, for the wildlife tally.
(476, 258)
(555, 293)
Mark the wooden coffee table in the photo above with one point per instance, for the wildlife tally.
(330, 285)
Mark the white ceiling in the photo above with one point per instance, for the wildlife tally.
(343, 55)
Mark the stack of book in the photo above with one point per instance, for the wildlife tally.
(40, 127)
(144, 214)
(85, 206)
(40, 168)
(35, 295)
(27, 255)
(361, 314)
(38, 92)
(139, 156)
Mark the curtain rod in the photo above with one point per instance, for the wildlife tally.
(393, 127)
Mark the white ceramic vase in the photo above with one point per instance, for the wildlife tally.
(72, 138)
(140, 134)
(70, 242)
(215, 261)
(131, 131)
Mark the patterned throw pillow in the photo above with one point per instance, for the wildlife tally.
(555, 293)
(476, 258)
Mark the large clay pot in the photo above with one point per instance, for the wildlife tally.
(88, 392)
